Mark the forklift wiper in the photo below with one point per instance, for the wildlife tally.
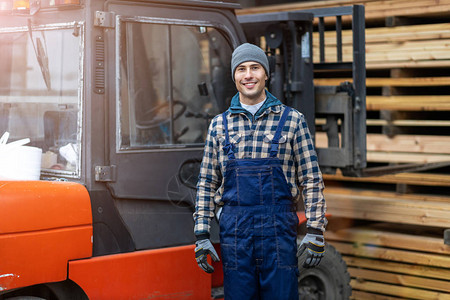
(41, 56)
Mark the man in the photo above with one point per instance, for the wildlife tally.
(256, 154)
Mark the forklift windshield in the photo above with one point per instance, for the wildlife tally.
(43, 104)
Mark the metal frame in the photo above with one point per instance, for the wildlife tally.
(353, 146)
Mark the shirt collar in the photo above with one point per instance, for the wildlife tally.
(271, 104)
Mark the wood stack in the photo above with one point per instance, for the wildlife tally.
(390, 228)
(388, 265)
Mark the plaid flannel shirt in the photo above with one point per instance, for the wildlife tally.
(251, 137)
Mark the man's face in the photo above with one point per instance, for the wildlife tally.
(250, 78)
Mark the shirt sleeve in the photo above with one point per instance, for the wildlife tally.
(309, 176)
(209, 181)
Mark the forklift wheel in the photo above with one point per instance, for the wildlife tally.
(328, 281)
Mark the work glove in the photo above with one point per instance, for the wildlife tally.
(202, 249)
(315, 247)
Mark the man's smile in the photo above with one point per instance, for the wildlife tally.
(249, 85)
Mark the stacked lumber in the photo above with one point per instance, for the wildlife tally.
(403, 46)
(402, 148)
(391, 265)
(390, 228)
(391, 207)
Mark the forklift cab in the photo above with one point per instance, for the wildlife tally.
(119, 95)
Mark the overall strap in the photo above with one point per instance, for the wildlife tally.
(276, 138)
(228, 148)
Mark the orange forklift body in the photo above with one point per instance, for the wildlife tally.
(169, 273)
(44, 226)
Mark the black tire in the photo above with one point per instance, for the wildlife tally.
(330, 280)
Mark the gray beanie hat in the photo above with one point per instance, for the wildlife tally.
(248, 52)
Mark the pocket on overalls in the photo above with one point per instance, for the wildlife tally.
(228, 240)
(254, 185)
(286, 238)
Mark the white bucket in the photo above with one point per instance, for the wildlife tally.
(18, 162)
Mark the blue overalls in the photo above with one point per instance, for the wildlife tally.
(258, 227)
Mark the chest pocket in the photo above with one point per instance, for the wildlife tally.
(268, 137)
(235, 138)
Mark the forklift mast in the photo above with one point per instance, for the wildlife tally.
(287, 37)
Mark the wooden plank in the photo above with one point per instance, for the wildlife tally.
(393, 210)
(360, 295)
(402, 207)
(409, 52)
(413, 45)
(400, 279)
(404, 123)
(400, 55)
(401, 148)
(385, 216)
(406, 55)
(384, 213)
(387, 195)
(432, 8)
(409, 103)
(391, 35)
(383, 48)
(404, 157)
(414, 123)
(374, 10)
(396, 82)
(403, 256)
(407, 292)
(424, 179)
(396, 267)
(389, 239)
(298, 6)
(400, 5)
(404, 52)
(409, 143)
(400, 143)
(408, 64)
(390, 204)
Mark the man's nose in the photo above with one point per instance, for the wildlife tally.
(248, 73)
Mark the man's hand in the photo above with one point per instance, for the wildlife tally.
(202, 249)
(315, 247)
